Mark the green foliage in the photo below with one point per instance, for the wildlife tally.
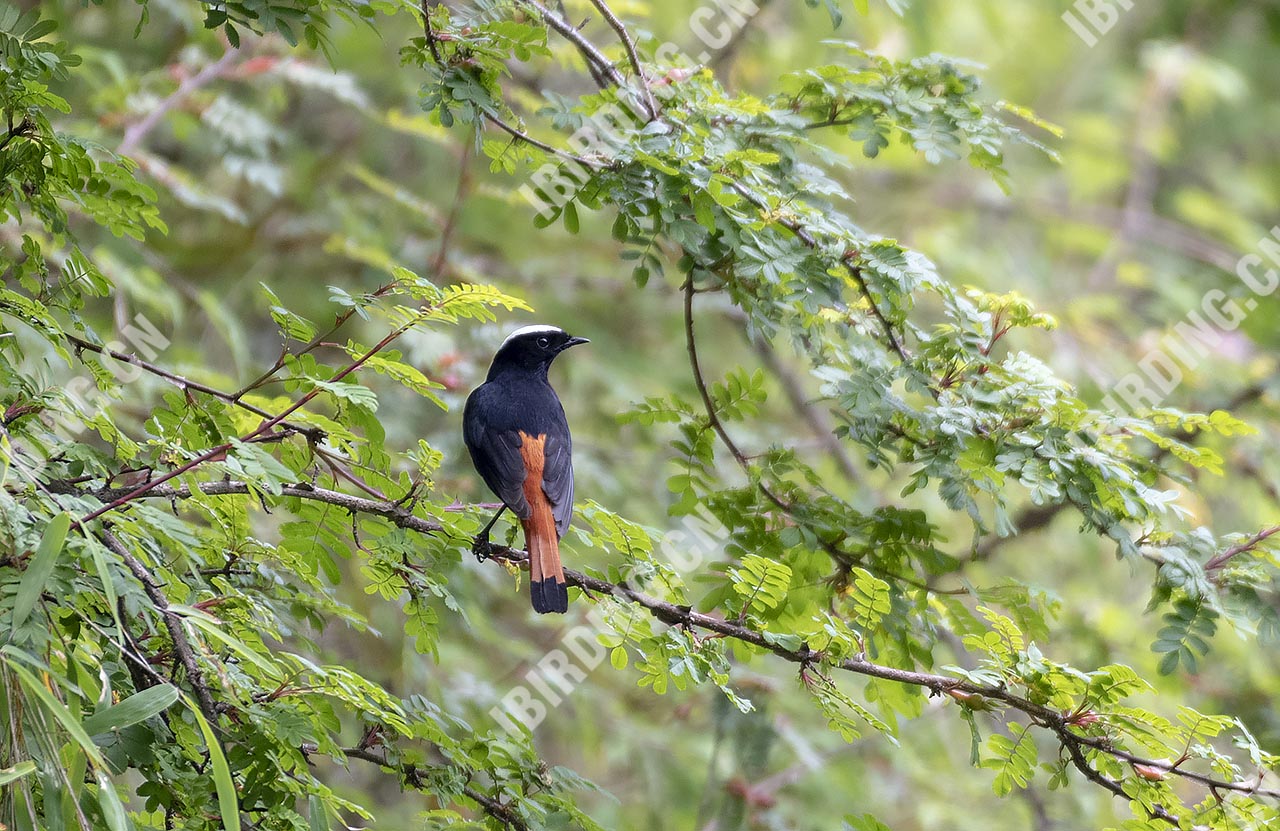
(214, 558)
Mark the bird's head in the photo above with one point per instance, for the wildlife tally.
(532, 347)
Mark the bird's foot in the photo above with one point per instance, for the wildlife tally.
(482, 548)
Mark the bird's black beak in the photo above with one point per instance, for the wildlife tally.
(573, 342)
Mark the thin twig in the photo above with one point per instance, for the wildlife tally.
(807, 238)
(627, 43)
(413, 775)
(590, 53)
(317, 341)
(356, 504)
(184, 383)
(1222, 559)
(259, 431)
(494, 118)
(441, 260)
(137, 132)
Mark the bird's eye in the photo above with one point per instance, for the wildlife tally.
(544, 342)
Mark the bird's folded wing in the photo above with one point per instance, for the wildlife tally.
(557, 479)
(497, 457)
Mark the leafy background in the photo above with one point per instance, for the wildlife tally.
(282, 170)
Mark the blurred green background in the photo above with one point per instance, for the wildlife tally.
(277, 169)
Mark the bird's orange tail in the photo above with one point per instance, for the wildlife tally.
(542, 540)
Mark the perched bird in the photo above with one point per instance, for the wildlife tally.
(519, 441)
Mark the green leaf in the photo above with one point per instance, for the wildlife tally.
(1013, 757)
(109, 801)
(51, 705)
(39, 569)
(317, 817)
(136, 708)
(224, 784)
(761, 580)
(11, 774)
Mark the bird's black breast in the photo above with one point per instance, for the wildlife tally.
(496, 413)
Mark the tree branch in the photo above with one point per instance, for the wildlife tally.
(513, 131)
(391, 511)
(590, 53)
(183, 383)
(627, 43)
(1222, 559)
(684, 616)
(414, 776)
(181, 646)
(259, 431)
(803, 234)
(135, 134)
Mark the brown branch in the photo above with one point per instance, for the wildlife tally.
(319, 340)
(314, 434)
(1042, 716)
(413, 775)
(181, 646)
(401, 517)
(136, 133)
(259, 431)
(684, 616)
(855, 271)
(592, 55)
(807, 238)
(1222, 559)
(713, 418)
(440, 262)
(494, 118)
(628, 44)
(186, 383)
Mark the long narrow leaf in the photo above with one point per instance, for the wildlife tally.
(16, 772)
(136, 708)
(228, 804)
(109, 801)
(55, 708)
(40, 568)
(99, 553)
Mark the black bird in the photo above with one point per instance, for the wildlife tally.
(516, 431)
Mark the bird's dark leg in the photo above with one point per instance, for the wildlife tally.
(480, 546)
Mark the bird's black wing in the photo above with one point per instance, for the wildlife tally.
(496, 454)
(557, 476)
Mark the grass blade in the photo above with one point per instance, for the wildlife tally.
(112, 809)
(54, 707)
(136, 708)
(40, 568)
(228, 805)
(16, 772)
